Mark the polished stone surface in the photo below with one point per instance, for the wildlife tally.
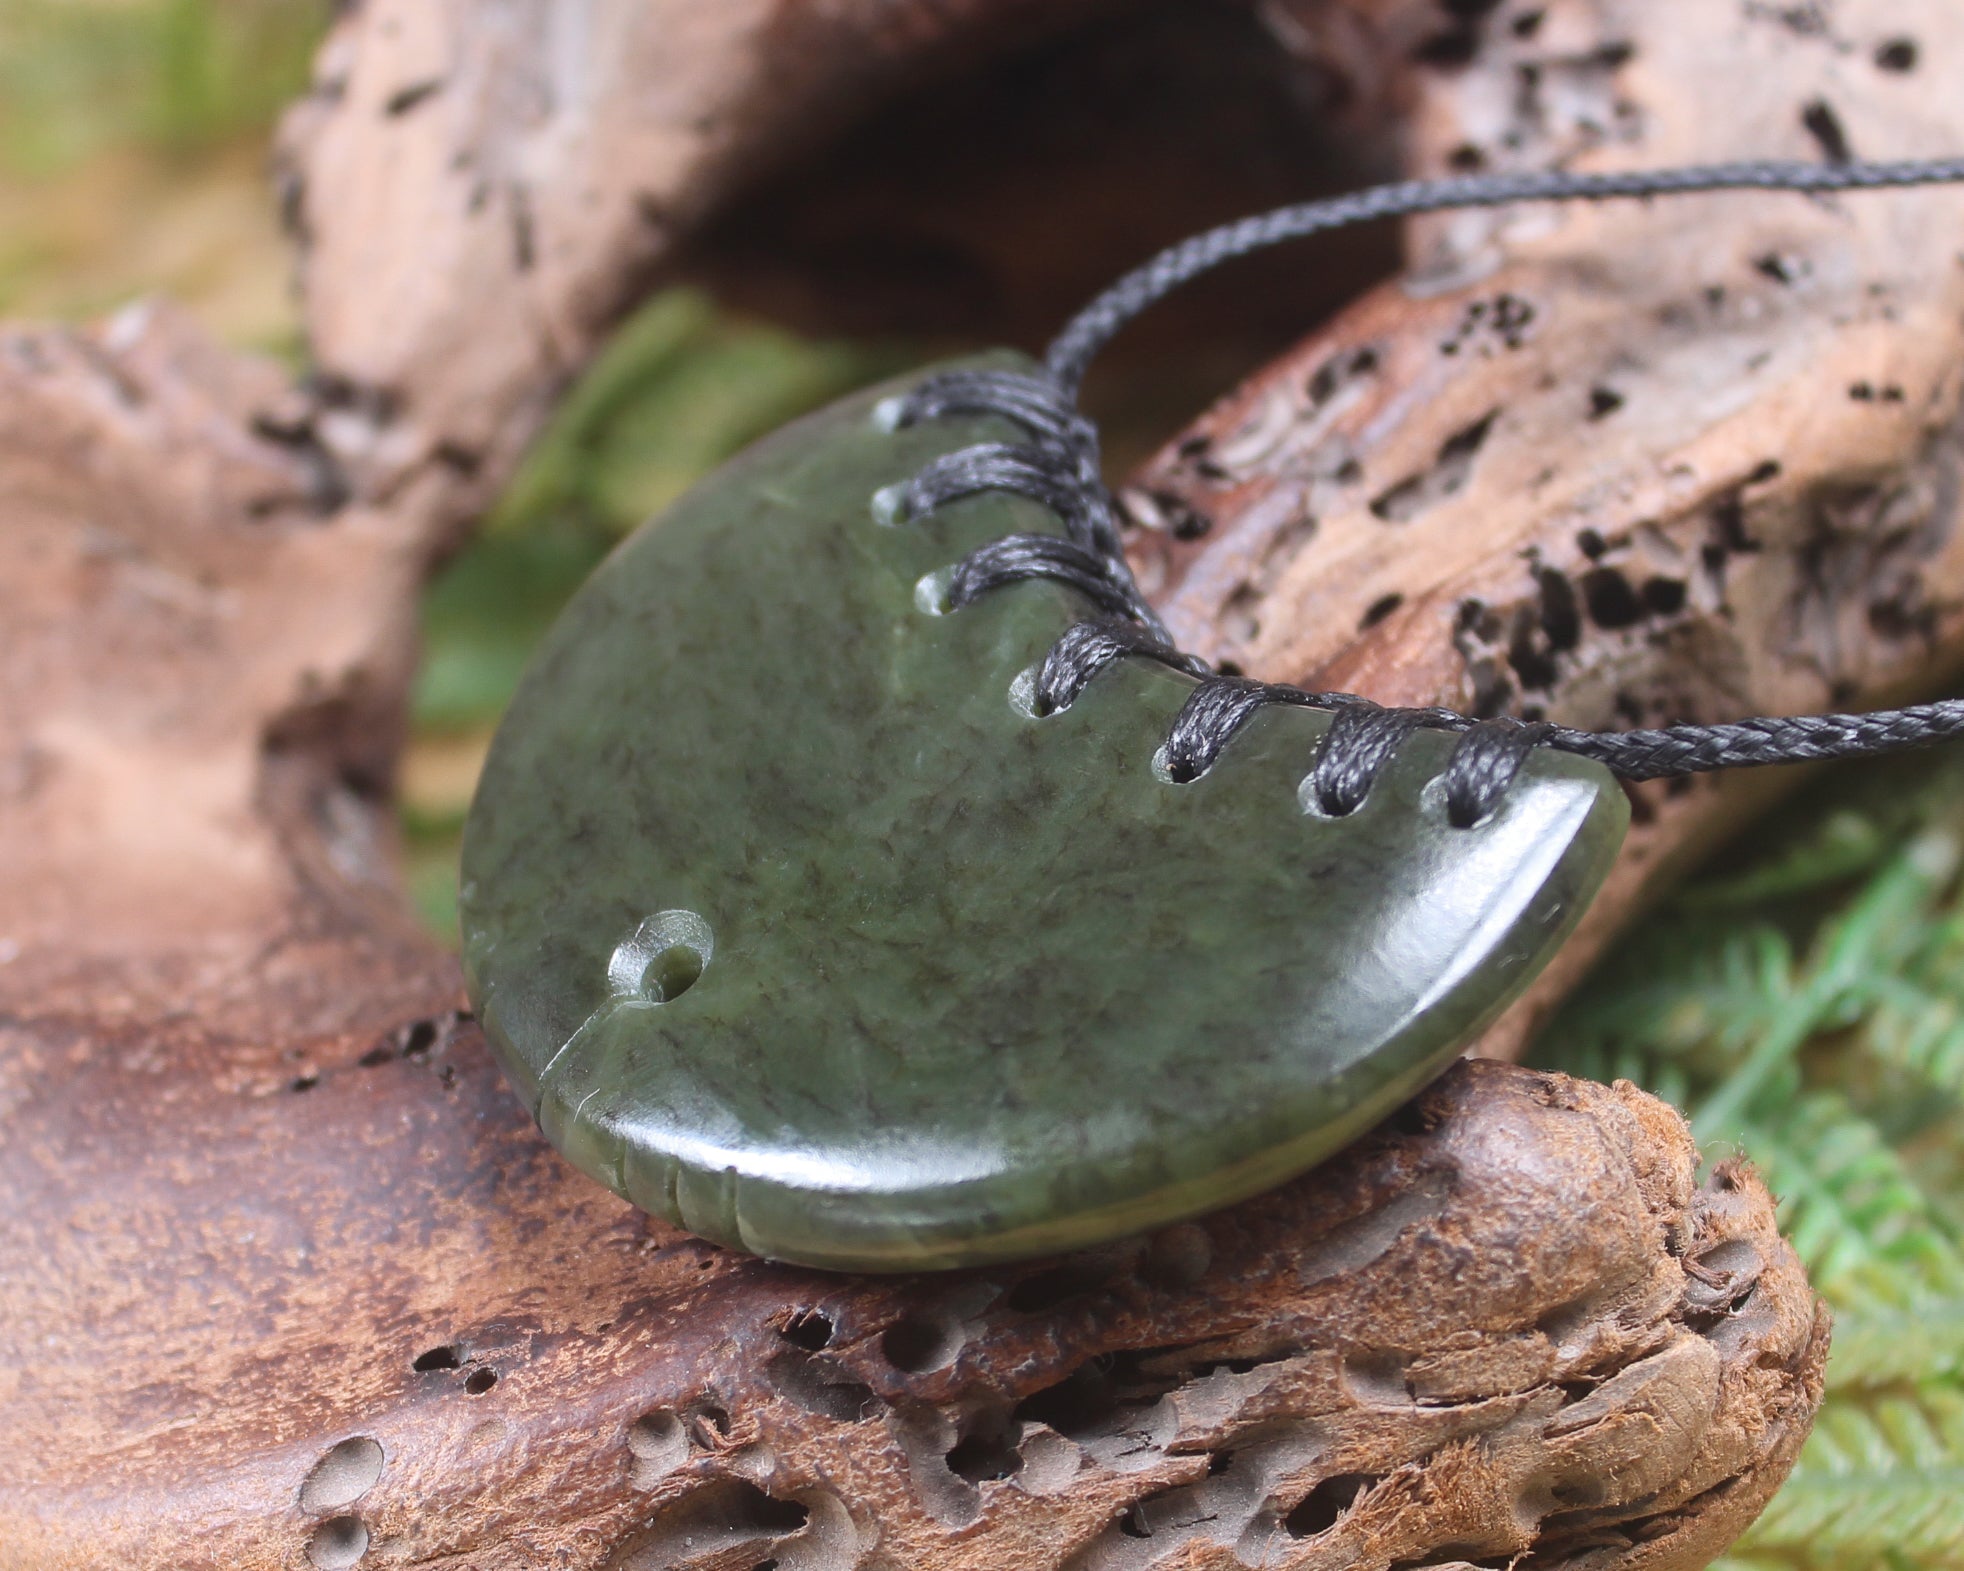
(793, 926)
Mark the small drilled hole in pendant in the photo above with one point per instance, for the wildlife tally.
(662, 958)
(931, 593)
(1432, 798)
(890, 505)
(1024, 697)
(1312, 804)
(1162, 768)
(671, 974)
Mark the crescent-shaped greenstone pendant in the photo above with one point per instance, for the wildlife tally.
(793, 924)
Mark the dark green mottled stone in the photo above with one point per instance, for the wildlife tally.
(972, 985)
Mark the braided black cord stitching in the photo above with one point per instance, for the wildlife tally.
(1087, 648)
(1214, 711)
(1015, 558)
(1058, 468)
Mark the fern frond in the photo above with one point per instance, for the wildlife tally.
(1875, 1480)
(1834, 1058)
(1850, 1207)
(1875, 1346)
(1872, 938)
(1859, 1518)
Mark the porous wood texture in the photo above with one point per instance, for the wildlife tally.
(1623, 465)
(285, 1277)
(322, 1296)
(458, 165)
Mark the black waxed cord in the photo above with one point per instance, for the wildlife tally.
(1073, 350)
(1777, 739)
(1058, 467)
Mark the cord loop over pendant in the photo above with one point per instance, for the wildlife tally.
(1058, 468)
(1483, 765)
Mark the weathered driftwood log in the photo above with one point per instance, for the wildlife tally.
(1625, 465)
(284, 1275)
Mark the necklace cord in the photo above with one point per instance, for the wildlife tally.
(1073, 350)
(1059, 469)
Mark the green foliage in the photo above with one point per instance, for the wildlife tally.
(176, 76)
(133, 157)
(1808, 1009)
(1882, 1482)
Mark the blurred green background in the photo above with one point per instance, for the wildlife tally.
(1803, 1002)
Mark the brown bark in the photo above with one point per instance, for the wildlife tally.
(283, 1270)
(1621, 465)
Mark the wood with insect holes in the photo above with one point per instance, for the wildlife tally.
(1680, 460)
(719, 141)
(453, 168)
(363, 1315)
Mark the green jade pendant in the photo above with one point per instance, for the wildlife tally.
(794, 924)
